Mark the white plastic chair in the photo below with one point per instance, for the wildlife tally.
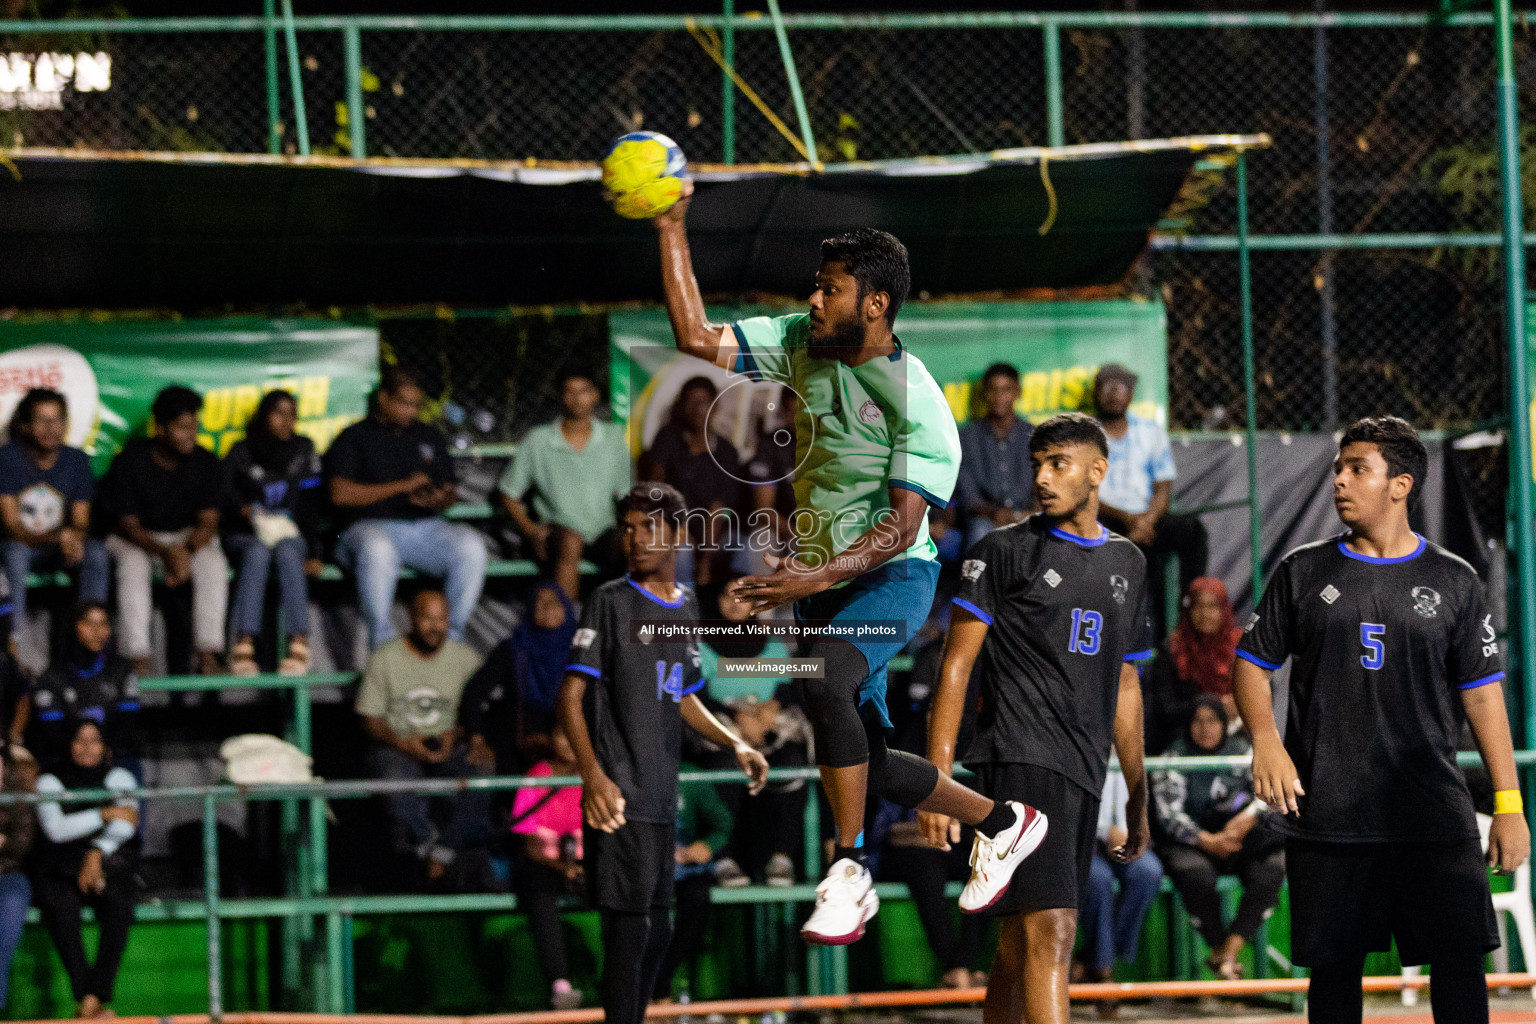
(1517, 904)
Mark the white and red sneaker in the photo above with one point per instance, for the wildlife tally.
(994, 860)
(845, 901)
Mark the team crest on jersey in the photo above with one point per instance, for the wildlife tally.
(1329, 594)
(869, 412)
(1119, 588)
(1053, 578)
(1426, 602)
(584, 638)
(972, 568)
(1490, 638)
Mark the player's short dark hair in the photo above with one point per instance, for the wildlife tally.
(1000, 370)
(394, 378)
(175, 402)
(1399, 445)
(1069, 428)
(27, 407)
(655, 498)
(876, 260)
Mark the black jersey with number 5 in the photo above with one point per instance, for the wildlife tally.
(1063, 615)
(635, 689)
(1381, 649)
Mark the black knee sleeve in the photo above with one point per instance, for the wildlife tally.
(832, 704)
(902, 778)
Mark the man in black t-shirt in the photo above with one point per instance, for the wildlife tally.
(392, 478)
(1390, 645)
(161, 500)
(623, 705)
(1054, 608)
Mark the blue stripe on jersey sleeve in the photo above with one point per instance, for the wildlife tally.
(1484, 681)
(926, 494)
(983, 616)
(1256, 660)
(586, 670)
(1140, 655)
(746, 362)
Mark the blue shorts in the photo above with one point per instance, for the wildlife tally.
(896, 591)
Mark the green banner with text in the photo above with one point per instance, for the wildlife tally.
(110, 372)
(1057, 347)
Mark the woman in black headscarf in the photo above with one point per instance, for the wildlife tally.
(274, 476)
(88, 680)
(88, 857)
(1209, 825)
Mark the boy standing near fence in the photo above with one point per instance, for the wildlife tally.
(625, 698)
(1390, 646)
(1055, 610)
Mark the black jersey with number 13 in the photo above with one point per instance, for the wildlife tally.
(634, 692)
(1382, 648)
(1063, 615)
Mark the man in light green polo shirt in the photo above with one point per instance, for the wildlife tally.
(571, 472)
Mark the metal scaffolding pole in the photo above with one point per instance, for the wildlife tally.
(1523, 541)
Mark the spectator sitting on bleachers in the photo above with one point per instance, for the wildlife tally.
(18, 826)
(996, 486)
(688, 454)
(409, 701)
(1195, 659)
(1112, 927)
(274, 481)
(46, 489)
(87, 681)
(703, 828)
(1138, 487)
(162, 496)
(1208, 825)
(576, 469)
(548, 821)
(508, 707)
(90, 858)
(392, 477)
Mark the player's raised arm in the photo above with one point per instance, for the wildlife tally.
(962, 644)
(695, 335)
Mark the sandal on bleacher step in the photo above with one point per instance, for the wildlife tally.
(242, 658)
(297, 661)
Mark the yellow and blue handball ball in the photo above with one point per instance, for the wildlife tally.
(643, 174)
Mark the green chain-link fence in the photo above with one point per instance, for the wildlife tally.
(1405, 107)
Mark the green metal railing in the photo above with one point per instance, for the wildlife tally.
(826, 967)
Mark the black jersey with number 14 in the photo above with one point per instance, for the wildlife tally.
(1381, 649)
(634, 692)
(1063, 614)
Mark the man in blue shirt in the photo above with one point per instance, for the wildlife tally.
(46, 490)
(997, 484)
(1138, 488)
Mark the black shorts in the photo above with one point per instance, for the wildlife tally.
(1348, 899)
(631, 869)
(1055, 874)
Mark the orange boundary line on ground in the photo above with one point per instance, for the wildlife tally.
(851, 1001)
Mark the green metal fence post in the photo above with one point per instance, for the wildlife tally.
(1519, 374)
(274, 114)
(352, 50)
(1250, 400)
(211, 906)
(727, 86)
(1055, 130)
(806, 136)
(295, 81)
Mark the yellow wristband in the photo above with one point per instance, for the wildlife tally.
(1508, 801)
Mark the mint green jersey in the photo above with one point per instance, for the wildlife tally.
(859, 431)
